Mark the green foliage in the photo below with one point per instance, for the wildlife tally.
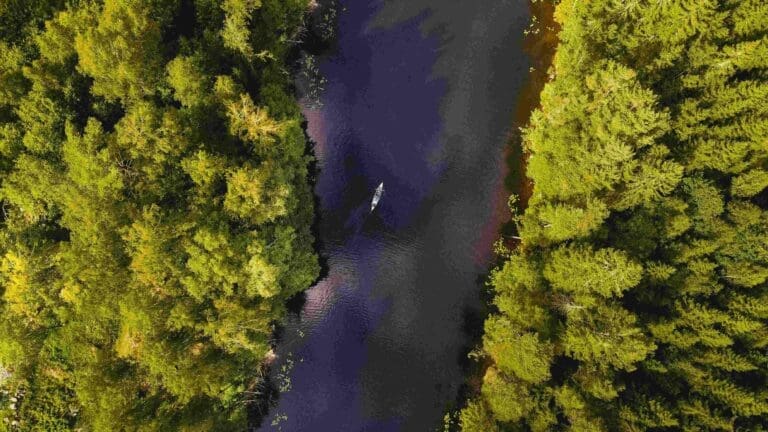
(608, 336)
(12, 82)
(156, 213)
(122, 52)
(522, 355)
(635, 300)
(235, 33)
(599, 140)
(750, 183)
(507, 397)
(20, 18)
(476, 418)
(558, 222)
(190, 84)
(585, 272)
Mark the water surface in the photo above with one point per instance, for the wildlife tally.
(420, 96)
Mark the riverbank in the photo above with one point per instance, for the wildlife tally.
(632, 246)
(540, 45)
(316, 39)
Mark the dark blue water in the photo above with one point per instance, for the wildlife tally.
(419, 95)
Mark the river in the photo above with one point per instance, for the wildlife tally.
(419, 95)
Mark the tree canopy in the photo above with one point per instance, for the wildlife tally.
(156, 210)
(636, 297)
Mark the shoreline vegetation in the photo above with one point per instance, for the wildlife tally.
(157, 210)
(635, 295)
(539, 44)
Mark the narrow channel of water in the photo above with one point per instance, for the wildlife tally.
(419, 95)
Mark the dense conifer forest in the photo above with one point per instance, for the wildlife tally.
(156, 210)
(636, 297)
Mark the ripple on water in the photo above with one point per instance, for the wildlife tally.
(419, 95)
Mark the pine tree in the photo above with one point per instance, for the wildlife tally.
(156, 212)
(642, 261)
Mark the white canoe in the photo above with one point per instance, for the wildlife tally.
(377, 195)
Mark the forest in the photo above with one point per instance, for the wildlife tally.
(635, 296)
(156, 210)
